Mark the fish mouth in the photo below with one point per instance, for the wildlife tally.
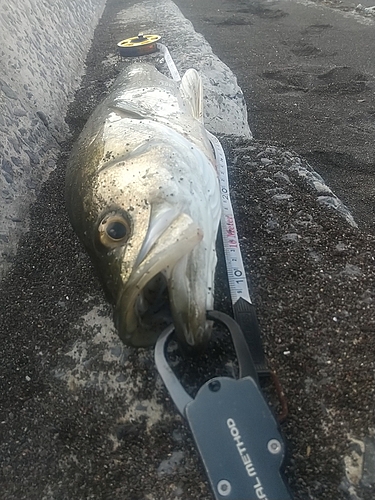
(165, 272)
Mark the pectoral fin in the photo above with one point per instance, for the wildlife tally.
(191, 89)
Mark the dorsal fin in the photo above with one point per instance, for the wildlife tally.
(191, 89)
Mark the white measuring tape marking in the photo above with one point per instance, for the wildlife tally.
(233, 258)
(235, 268)
(170, 62)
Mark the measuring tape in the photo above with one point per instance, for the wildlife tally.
(138, 45)
(235, 268)
(170, 62)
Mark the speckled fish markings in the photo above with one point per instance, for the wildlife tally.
(142, 194)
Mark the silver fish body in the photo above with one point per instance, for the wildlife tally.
(142, 194)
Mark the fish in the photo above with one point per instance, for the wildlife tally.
(143, 196)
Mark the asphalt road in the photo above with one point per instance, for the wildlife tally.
(307, 72)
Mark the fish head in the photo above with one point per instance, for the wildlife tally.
(149, 253)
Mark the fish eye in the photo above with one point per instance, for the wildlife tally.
(114, 230)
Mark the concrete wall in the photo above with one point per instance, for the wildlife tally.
(43, 45)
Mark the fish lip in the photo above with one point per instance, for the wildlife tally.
(188, 302)
(176, 242)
